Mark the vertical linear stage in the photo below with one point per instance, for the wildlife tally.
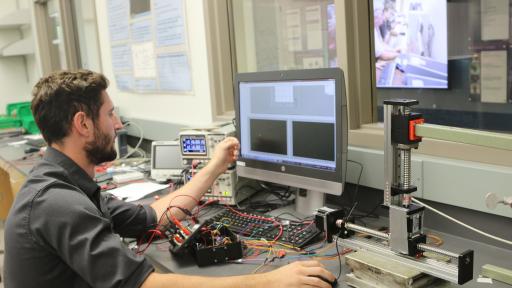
(405, 242)
(399, 140)
(388, 154)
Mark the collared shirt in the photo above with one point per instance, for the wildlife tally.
(61, 232)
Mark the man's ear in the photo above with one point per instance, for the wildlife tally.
(82, 124)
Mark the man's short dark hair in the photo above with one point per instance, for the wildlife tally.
(59, 96)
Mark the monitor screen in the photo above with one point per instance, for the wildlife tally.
(411, 43)
(193, 145)
(292, 128)
(167, 157)
(166, 160)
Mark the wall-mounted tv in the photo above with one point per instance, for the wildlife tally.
(411, 43)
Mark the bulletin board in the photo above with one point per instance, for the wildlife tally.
(149, 46)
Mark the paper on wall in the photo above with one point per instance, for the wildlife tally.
(495, 17)
(493, 76)
(143, 56)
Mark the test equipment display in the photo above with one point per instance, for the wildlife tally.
(197, 148)
(166, 161)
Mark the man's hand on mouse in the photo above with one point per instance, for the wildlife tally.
(301, 274)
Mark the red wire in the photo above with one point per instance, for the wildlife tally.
(260, 218)
(158, 232)
(196, 214)
(154, 232)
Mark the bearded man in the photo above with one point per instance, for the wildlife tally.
(62, 232)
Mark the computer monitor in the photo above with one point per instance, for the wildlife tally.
(292, 128)
(166, 160)
(411, 43)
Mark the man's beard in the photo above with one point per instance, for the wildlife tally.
(101, 149)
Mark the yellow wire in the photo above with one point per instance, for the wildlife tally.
(270, 252)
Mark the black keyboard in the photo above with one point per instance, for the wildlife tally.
(256, 226)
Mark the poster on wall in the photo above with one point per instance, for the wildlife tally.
(495, 19)
(494, 76)
(143, 34)
(411, 44)
(170, 25)
(174, 73)
(313, 28)
(293, 30)
(118, 24)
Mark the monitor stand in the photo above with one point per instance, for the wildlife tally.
(307, 201)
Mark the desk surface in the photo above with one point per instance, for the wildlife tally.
(160, 257)
(10, 154)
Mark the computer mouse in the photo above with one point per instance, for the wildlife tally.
(333, 283)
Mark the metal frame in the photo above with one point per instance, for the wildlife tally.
(48, 58)
(405, 239)
(446, 271)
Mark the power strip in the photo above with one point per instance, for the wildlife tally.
(127, 177)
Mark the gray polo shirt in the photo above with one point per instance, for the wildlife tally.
(61, 232)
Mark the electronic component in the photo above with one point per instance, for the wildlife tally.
(194, 145)
(216, 244)
(121, 143)
(297, 234)
(405, 242)
(223, 189)
(166, 162)
(199, 144)
(325, 219)
(210, 243)
(127, 177)
(181, 237)
(283, 140)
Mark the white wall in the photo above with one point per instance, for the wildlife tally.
(192, 109)
(17, 73)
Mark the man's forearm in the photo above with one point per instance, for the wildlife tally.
(156, 280)
(187, 196)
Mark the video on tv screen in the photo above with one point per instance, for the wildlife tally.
(411, 43)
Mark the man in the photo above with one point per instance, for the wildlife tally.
(61, 232)
(383, 52)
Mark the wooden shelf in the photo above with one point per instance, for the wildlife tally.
(15, 19)
(19, 48)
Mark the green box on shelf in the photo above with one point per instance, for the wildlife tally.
(12, 109)
(31, 126)
(25, 112)
(28, 122)
(9, 122)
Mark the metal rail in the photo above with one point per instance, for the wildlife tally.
(446, 271)
(466, 136)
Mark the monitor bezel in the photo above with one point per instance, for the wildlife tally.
(303, 177)
(160, 172)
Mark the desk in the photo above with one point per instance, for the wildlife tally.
(12, 173)
(160, 257)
